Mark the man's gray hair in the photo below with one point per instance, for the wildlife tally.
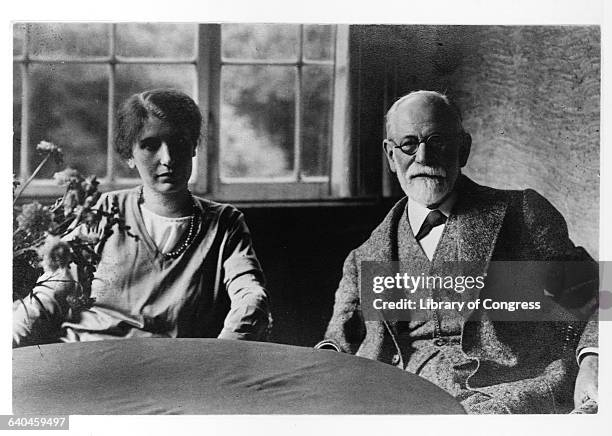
(431, 95)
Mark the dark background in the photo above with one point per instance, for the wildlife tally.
(302, 250)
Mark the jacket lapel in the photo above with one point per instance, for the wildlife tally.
(479, 216)
(471, 234)
(411, 255)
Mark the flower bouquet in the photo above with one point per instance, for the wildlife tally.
(41, 251)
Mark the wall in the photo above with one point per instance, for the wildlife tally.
(529, 97)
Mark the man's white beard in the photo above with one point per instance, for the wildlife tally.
(427, 191)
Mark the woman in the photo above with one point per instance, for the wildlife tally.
(186, 268)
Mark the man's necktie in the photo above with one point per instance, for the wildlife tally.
(434, 219)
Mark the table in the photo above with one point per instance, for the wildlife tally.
(213, 376)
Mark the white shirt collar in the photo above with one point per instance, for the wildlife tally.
(417, 212)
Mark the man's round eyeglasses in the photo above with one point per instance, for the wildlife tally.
(410, 144)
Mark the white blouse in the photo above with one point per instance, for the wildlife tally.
(165, 232)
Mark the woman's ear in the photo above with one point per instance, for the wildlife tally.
(131, 163)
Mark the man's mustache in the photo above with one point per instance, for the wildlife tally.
(423, 171)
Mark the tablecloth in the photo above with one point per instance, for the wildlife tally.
(213, 376)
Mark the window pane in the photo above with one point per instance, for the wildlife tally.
(69, 105)
(156, 40)
(131, 79)
(259, 41)
(18, 35)
(257, 121)
(316, 119)
(318, 42)
(55, 40)
(16, 117)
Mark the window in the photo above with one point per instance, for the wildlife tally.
(274, 97)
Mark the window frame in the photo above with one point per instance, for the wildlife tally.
(110, 181)
(206, 179)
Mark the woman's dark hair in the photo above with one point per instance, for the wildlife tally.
(175, 107)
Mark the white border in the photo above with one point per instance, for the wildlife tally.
(323, 11)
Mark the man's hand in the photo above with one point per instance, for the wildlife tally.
(586, 382)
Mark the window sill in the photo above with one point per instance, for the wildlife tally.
(47, 191)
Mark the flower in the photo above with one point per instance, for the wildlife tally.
(80, 302)
(77, 188)
(34, 218)
(67, 176)
(38, 231)
(90, 185)
(48, 147)
(86, 214)
(51, 149)
(71, 201)
(55, 254)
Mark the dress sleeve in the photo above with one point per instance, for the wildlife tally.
(249, 315)
(37, 318)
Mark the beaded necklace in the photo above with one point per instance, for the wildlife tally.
(193, 219)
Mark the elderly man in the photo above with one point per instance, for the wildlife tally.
(490, 366)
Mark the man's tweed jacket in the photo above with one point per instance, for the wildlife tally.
(531, 363)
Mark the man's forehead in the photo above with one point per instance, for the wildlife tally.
(423, 111)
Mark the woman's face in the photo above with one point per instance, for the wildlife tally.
(162, 155)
